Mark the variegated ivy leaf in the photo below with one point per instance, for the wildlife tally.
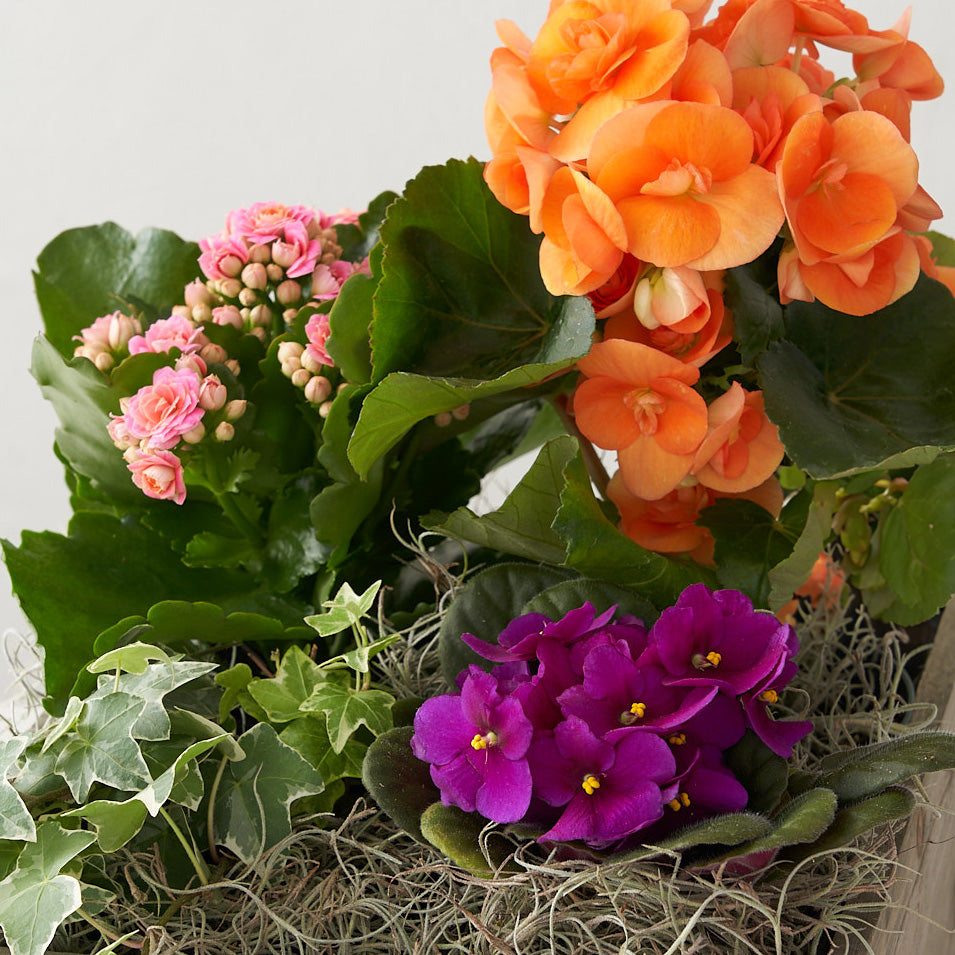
(101, 747)
(252, 809)
(151, 684)
(36, 897)
(15, 819)
(345, 610)
(346, 708)
(295, 679)
(133, 658)
(64, 724)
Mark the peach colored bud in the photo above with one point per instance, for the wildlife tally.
(325, 410)
(224, 431)
(289, 315)
(183, 311)
(193, 362)
(443, 419)
(290, 366)
(212, 353)
(255, 276)
(461, 412)
(289, 292)
(235, 409)
(201, 313)
(248, 297)
(104, 361)
(212, 393)
(260, 254)
(310, 362)
(275, 272)
(227, 315)
(230, 288)
(284, 254)
(231, 266)
(257, 331)
(318, 389)
(233, 366)
(301, 377)
(131, 454)
(195, 435)
(289, 350)
(197, 293)
(260, 314)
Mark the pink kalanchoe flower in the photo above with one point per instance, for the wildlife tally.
(295, 251)
(317, 331)
(344, 216)
(159, 414)
(223, 255)
(264, 222)
(158, 474)
(108, 332)
(168, 333)
(327, 280)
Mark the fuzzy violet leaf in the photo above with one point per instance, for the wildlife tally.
(37, 897)
(252, 807)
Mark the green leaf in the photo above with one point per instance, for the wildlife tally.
(757, 315)
(292, 549)
(764, 774)
(866, 770)
(561, 598)
(235, 682)
(92, 271)
(350, 323)
(16, 823)
(596, 548)
(359, 658)
(206, 549)
(522, 524)
(252, 809)
(346, 709)
(36, 898)
(343, 611)
(730, 829)
(398, 781)
(943, 248)
(132, 658)
(918, 544)
(101, 747)
(461, 293)
(308, 736)
(485, 605)
(850, 393)
(456, 833)
(295, 679)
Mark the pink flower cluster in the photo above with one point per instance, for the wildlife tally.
(106, 338)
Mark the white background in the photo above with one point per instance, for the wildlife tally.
(170, 114)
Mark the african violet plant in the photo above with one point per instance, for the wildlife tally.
(245, 422)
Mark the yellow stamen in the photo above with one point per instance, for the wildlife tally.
(590, 785)
(769, 696)
(678, 740)
(682, 800)
(638, 709)
(482, 742)
(714, 658)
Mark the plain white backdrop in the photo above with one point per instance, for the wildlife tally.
(170, 114)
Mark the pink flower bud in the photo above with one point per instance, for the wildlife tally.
(235, 409)
(104, 361)
(284, 254)
(119, 434)
(201, 313)
(301, 377)
(195, 435)
(289, 315)
(227, 315)
(233, 366)
(289, 292)
(213, 354)
(183, 311)
(248, 297)
(261, 254)
(317, 389)
(230, 288)
(324, 410)
(289, 350)
(197, 293)
(257, 331)
(275, 272)
(261, 314)
(212, 393)
(193, 362)
(443, 419)
(461, 412)
(255, 276)
(224, 431)
(311, 362)
(670, 296)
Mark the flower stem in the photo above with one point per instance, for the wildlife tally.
(595, 467)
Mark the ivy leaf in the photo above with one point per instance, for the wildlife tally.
(36, 898)
(235, 681)
(15, 819)
(252, 807)
(101, 747)
(345, 610)
(295, 679)
(346, 709)
(132, 658)
(358, 659)
(308, 735)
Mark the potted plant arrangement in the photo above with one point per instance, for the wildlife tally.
(302, 696)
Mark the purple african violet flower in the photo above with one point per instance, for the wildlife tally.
(779, 735)
(608, 790)
(717, 639)
(477, 743)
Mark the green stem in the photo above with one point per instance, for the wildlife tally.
(211, 811)
(595, 467)
(229, 507)
(201, 870)
(108, 932)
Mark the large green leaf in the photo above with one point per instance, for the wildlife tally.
(757, 315)
(917, 556)
(252, 809)
(850, 393)
(95, 270)
(36, 897)
(350, 324)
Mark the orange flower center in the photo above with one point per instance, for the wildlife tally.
(830, 174)
(679, 179)
(646, 406)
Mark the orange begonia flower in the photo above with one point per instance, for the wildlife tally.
(584, 236)
(681, 176)
(742, 448)
(941, 273)
(703, 77)
(826, 581)
(640, 403)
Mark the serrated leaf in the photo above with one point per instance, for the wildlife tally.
(16, 823)
(206, 549)
(36, 898)
(132, 658)
(757, 315)
(850, 393)
(101, 747)
(252, 809)
(346, 708)
(343, 611)
(295, 678)
(350, 324)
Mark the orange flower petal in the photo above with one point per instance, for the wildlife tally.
(649, 471)
(669, 230)
(634, 363)
(602, 415)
